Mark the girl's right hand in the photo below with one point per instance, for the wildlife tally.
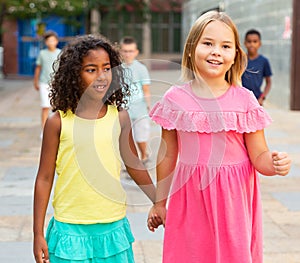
(281, 163)
(40, 250)
(156, 217)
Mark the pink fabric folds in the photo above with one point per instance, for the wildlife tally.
(214, 208)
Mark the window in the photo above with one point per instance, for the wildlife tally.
(166, 31)
(125, 24)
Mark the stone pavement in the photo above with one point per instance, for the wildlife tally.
(19, 156)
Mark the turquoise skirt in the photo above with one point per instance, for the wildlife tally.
(95, 243)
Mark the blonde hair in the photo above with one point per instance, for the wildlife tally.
(188, 69)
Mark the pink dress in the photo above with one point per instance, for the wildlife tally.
(214, 208)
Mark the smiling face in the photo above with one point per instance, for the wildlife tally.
(215, 51)
(96, 73)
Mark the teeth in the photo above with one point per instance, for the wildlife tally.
(214, 62)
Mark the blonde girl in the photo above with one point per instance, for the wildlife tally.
(212, 146)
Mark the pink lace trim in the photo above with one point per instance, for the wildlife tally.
(208, 122)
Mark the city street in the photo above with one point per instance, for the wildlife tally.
(19, 156)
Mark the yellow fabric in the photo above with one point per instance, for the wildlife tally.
(88, 188)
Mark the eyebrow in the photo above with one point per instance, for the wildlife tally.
(211, 39)
(94, 65)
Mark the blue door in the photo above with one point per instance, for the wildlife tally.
(30, 43)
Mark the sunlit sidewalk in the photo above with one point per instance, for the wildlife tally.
(19, 156)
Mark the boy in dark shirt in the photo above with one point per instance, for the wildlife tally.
(258, 67)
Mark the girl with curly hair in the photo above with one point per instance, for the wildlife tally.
(84, 141)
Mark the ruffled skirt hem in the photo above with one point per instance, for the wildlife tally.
(95, 243)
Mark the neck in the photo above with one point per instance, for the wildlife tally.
(212, 83)
(128, 63)
(253, 56)
(91, 109)
(209, 88)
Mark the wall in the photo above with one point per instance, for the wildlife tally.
(271, 18)
(10, 48)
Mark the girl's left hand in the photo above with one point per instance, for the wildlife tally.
(156, 217)
(281, 163)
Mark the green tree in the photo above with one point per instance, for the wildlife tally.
(34, 8)
(24, 9)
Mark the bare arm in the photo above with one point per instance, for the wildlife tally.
(134, 165)
(166, 162)
(266, 90)
(147, 95)
(36, 76)
(268, 86)
(264, 161)
(43, 184)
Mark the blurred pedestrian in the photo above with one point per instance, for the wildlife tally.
(43, 71)
(258, 68)
(140, 99)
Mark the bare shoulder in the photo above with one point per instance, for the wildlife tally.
(53, 122)
(54, 117)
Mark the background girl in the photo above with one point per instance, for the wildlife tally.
(84, 141)
(213, 129)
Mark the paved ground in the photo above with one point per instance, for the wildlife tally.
(19, 155)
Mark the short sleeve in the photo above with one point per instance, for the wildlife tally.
(252, 100)
(144, 76)
(163, 113)
(267, 69)
(39, 59)
(255, 117)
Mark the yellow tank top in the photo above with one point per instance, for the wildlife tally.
(88, 188)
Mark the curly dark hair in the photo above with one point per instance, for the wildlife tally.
(66, 85)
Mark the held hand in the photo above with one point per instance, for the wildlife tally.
(156, 217)
(40, 250)
(281, 163)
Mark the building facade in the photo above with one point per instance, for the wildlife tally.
(22, 41)
(273, 18)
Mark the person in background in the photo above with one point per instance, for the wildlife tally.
(43, 71)
(140, 100)
(258, 68)
(84, 141)
(213, 144)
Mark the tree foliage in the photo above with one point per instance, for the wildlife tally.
(68, 9)
(23, 9)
